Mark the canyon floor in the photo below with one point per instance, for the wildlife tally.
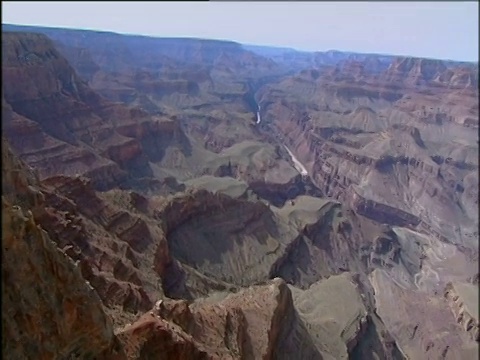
(200, 199)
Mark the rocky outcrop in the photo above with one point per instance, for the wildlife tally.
(414, 71)
(49, 310)
(463, 300)
(332, 237)
(336, 306)
(383, 213)
(254, 323)
(459, 78)
(277, 194)
(109, 242)
(60, 315)
(150, 337)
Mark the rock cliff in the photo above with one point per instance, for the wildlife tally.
(48, 308)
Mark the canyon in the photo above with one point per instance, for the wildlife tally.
(200, 199)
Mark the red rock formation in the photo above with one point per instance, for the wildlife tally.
(57, 123)
(48, 309)
(252, 323)
(414, 71)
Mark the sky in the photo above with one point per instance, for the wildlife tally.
(441, 30)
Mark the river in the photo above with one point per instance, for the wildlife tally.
(297, 164)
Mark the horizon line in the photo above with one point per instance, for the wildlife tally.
(286, 47)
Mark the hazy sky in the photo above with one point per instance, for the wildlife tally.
(444, 30)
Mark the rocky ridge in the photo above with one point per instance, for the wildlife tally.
(49, 308)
